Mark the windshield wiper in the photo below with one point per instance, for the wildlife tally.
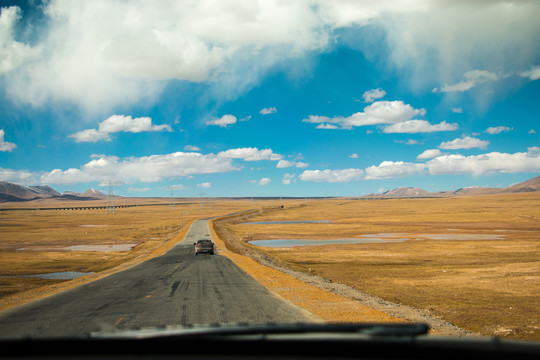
(271, 341)
(265, 330)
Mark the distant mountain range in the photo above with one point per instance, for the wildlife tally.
(408, 192)
(15, 192)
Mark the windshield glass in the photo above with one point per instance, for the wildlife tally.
(328, 162)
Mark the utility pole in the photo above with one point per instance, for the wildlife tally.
(202, 200)
(110, 199)
(171, 200)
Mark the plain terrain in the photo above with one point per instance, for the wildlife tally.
(489, 286)
(486, 286)
(34, 242)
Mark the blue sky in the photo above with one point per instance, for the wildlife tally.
(264, 98)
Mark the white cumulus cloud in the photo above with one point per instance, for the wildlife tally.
(99, 54)
(19, 176)
(155, 168)
(250, 154)
(267, 111)
(90, 135)
(391, 169)
(532, 74)
(324, 126)
(497, 129)
(5, 145)
(145, 169)
(429, 154)
(494, 162)
(223, 121)
(118, 123)
(373, 94)
(287, 178)
(13, 54)
(378, 113)
(286, 163)
(419, 126)
(472, 79)
(332, 176)
(440, 164)
(466, 142)
(265, 181)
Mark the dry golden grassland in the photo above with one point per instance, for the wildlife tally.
(486, 286)
(489, 286)
(33, 241)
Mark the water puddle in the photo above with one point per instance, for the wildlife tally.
(101, 248)
(461, 237)
(98, 248)
(66, 275)
(288, 222)
(285, 243)
(373, 238)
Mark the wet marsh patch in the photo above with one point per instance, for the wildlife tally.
(284, 222)
(474, 261)
(93, 248)
(87, 241)
(372, 238)
(64, 275)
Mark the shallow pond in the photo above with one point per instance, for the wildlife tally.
(288, 222)
(285, 243)
(372, 238)
(66, 275)
(99, 248)
(461, 237)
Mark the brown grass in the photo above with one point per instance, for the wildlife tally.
(486, 286)
(44, 234)
(322, 304)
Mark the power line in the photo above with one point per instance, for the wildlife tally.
(110, 199)
(201, 204)
(172, 203)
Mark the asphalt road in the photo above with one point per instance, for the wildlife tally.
(177, 288)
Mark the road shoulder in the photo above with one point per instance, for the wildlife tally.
(329, 301)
